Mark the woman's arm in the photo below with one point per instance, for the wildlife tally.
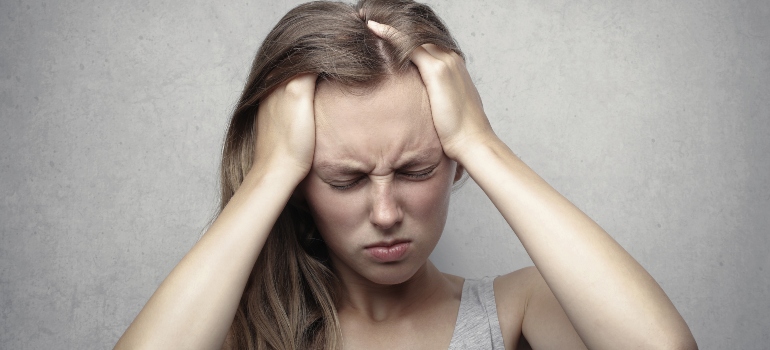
(194, 306)
(611, 301)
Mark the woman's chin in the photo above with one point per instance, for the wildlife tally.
(391, 275)
(389, 280)
(379, 273)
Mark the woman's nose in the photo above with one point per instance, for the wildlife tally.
(386, 211)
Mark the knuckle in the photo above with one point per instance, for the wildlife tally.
(440, 68)
(294, 89)
(301, 86)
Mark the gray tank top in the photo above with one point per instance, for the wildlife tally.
(477, 325)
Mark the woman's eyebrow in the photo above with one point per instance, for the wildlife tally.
(420, 158)
(340, 168)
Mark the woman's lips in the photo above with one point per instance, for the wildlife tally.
(388, 253)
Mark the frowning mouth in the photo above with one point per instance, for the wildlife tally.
(388, 251)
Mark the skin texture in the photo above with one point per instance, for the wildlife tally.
(585, 291)
(392, 178)
(195, 305)
(611, 302)
(379, 175)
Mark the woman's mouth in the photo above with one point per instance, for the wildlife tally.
(388, 252)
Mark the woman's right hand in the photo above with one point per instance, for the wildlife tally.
(194, 306)
(285, 128)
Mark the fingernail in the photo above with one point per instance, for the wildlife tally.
(372, 23)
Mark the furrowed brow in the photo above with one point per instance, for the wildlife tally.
(420, 158)
(339, 168)
(349, 168)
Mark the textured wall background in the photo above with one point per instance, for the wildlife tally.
(652, 116)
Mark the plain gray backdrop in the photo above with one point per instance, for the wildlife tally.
(652, 116)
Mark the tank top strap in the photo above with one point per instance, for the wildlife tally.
(477, 325)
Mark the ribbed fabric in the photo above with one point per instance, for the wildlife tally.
(477, 325)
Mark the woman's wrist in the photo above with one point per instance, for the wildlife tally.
(476, 155)
(280, 177)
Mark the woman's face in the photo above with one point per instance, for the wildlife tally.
(380, 182)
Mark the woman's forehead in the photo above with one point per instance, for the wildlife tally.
(402, 95)
(382, 124)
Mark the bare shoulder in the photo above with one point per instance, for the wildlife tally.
(527, 308)
(512, 294)
(513, 290)
(519, 279)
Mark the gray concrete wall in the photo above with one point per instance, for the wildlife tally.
(651, 116)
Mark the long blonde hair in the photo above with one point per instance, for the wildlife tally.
(289, 300)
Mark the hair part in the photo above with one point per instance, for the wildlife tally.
(290, 299)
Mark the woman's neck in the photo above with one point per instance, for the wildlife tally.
(377, 303)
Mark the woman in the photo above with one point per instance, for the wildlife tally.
(336, 175)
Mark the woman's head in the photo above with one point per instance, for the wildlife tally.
(290, 299)
(379, 177)
(330, 39)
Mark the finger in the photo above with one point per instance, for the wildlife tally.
(385, 31)
(421, 55)
(304, 79)
(301, 86)
(433, 49)
(437, 51)
(307, 78)
(391, 34)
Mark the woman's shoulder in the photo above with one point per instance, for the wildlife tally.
(512, 294)
(525, 291)
(518, 283)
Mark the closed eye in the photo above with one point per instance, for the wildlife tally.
(416, 175)
(420, 174)
(345, 186)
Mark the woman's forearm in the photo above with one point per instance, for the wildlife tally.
(612, 302)
(195, 305)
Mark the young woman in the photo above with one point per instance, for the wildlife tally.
(336, 175)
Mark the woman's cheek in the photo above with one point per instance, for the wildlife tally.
(428, 200)
(333, 210)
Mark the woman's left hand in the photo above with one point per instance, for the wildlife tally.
(458, 115)
(572, 253)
